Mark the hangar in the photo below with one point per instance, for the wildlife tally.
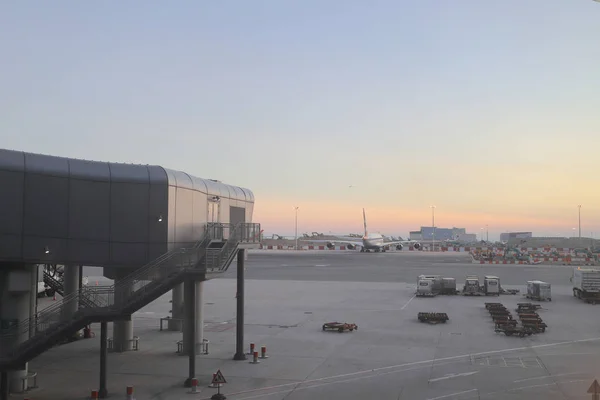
(151, 228)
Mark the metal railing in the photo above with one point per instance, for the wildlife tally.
(92, 301)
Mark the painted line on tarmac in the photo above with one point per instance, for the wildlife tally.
(452, 376)
(408, 302)
(452, 394)
(531, 387)
(364, 372)
(548, 376)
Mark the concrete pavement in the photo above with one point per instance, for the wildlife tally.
(391, 356)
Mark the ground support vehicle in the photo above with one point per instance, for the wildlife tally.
(491, 285)
(509, 291)
(339, 326)
(472, 286)
(432, 317)
(514, 330)
(586, 284)
(428, 285)
(538, 290)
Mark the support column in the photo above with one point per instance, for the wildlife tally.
(177, 309)
(71, 286)
(199, 315)
(19, 303)
(102, 391)
(190, 329)
(4, 385)
(239, 328)
(33, 300)
(122, 330)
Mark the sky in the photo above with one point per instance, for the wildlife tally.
(488, 110)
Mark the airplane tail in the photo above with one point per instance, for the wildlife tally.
(365, 222)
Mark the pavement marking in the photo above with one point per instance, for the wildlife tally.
(530, 387)
(435, 361)
(547, 376)
(322, 265)
(450, 376)
(408, 302)
(452, 394)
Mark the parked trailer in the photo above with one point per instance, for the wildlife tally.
(429, 285)
(586, 284)
(432, 317)
(472, 287)
(538, 290)
(449, 286)
(491, 285)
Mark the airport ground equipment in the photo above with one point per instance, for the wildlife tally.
(472, 286)
(429, 285)
(432, 317)
(509, 330)
(538, 290)
(586, 284)
(449, 286)
(339, 326)
(491, 285)
(509, 291)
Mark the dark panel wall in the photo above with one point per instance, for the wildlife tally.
(106, 214)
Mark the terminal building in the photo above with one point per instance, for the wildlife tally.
(435, 233)
(505, 237)
(152, 229)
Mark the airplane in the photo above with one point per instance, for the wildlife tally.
(370, 241)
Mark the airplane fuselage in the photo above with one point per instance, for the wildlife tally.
(372, 241)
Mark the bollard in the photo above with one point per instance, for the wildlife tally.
(130, 393)
(94, 395)
(263, 352)
(251, 348)
(254, 358)
(195, 385)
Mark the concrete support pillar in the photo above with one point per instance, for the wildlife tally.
(70, 287)
(190, 329)
(239, 328)
(122, 330)
(18, 308)
(33, 299)
(199, 315)
(177, 309)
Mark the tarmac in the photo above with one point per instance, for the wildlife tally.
(289, 295)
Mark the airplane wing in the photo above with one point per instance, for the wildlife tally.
(396, 242)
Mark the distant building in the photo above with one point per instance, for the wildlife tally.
(415, 235)
(504, 237)
(466, 237)
(451, 234)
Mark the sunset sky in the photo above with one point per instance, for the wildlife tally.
(489, 110)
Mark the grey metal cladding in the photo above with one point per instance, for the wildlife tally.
(157, 175)
(11, 160)
(89, 170)
(46, 165)
(46, 206)
(11, 202)
(129, 173)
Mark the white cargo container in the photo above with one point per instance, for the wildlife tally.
(538, 290)
(586, 284)
(491, 285)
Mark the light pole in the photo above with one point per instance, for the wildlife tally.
(296, 235)
(579, 207)
(487, 233)
(433, 226)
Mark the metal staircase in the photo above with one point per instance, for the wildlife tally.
(118, 302)
(54, 284)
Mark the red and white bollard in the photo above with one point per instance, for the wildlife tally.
(263, 352)
(214, 385)
(195, 386)
(251, 348)
(254, 358)
(94, 395)
(130, 393)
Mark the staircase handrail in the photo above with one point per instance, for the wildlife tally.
(24, 325)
